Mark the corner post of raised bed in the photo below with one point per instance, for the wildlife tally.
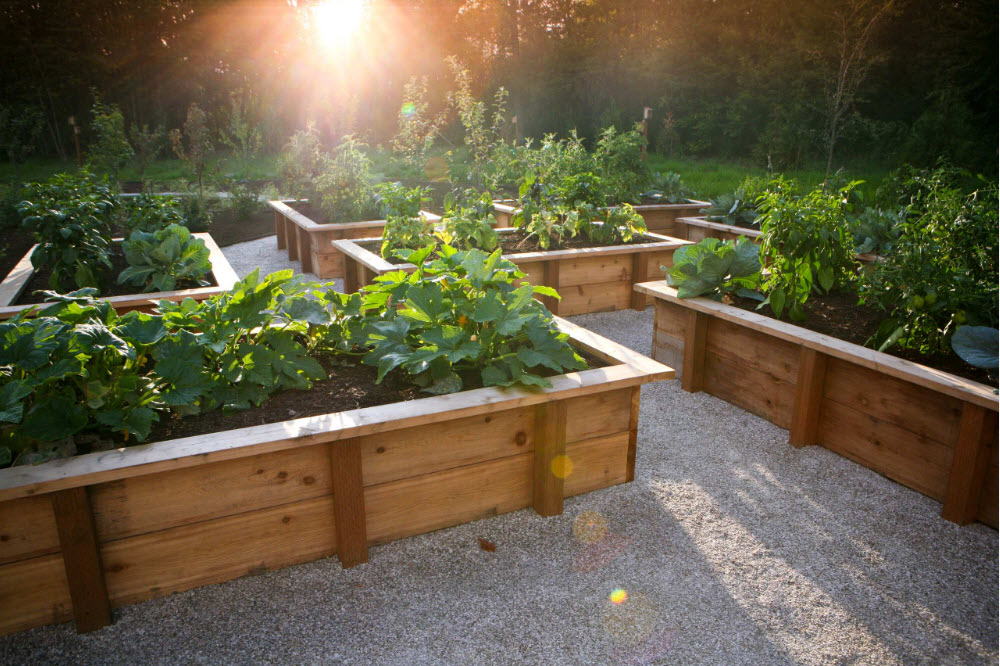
(350, 275)
(695, 336)
(550, 278)
(551, 464)
(977, 430)
(81, 558)
(640, 269)
(633, 435)
(349, 502)
(279, 230)
(305, 248)
(808, 398)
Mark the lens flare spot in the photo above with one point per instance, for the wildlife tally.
(562, 466)
(408, 109)
(590, 527)
(618, 596)
(633, 620)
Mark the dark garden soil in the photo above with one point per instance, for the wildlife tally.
(14, 243)
(517, 243)
(227, 229)
(40, 281)
(349, 386)
(840, 316)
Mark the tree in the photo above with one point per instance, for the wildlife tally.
(199, 142)
(110, 150)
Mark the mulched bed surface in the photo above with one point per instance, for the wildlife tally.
(349, 386)
(40, 281)
(840, 316)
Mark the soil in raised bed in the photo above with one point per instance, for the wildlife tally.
(516, 242)
(40, 281)
(349, 385)
(840, 316)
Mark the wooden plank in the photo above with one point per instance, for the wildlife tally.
(669, 351)
(937, 380)
(658, 260)
(350, 275)
(82, 559)
(27, 529)
(293, 240)
(746, 346)
(671, 319)
(595, 269)
(757, 392)
(696, 329)
(430, 502)
(304, 249)
(808, 398)
(976, 434)
(640, 268)
(15, 281)
(550, 462)
(598, 415)
(279, 230)
(179, 497)
(914, 461)
(327, 266)
(161, 563)
(904, 404)
(633, 434)
(455, 443)
(349, 502)
(33, 593)
(587, 298)
(550, 278)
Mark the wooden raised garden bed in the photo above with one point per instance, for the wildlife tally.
(81, 535)
(594, 279)
(659, 218)
(929, 430)
(309, 242)
(223, 274)
(695, 229)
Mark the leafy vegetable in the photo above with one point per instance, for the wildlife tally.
(159, 260)
(978, 346)
(716, 268)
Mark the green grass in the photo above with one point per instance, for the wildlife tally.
(708, 178)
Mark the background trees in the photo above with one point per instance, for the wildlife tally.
(747, 79)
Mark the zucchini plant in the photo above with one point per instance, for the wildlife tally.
(159, 260)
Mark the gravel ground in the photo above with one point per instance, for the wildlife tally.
(731, 547)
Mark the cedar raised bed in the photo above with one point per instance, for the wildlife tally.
(309, 242)
(695, 229)
(659, 218)
(82, 535)
(930, 430)
(593, 279)
(224, 275)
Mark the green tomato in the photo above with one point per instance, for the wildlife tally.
(930, 298)
(959, 317)
(917, 302)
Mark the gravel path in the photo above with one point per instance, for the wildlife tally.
(731, 547)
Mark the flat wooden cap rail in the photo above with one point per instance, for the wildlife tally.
(105, 529)
(930, 430)
(225, 278)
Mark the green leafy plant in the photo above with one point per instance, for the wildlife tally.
(584, 187)
(159, 260)
(667, 188)
(194, 144)
(240, 131)
(147, 144)
(405, 227)
(70, 217)
(459, 320)
(876, 230)
(150, 212)
(469, 221)
(807, 245)
(301, 162)
(942, 272)
(716, 268)
(110, 150)
(416, 129)
(618, 159)
(344, 186)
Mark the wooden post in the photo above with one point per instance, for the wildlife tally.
(550, 278)
(279, 230)
(693, 376)
(633, 435)
(349, 502)
(550, 447)
(640, 269)
(305, 249)
(292, 238)
(808, 398)
(977, 431)
(82, 559)
(350, 275)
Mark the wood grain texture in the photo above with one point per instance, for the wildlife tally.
(808, 398)
(745, 346)
(81, 559)
(550, 272)
(640, 269)
(976, 434)
(633, 434)
(549, 465)
(27, 529)
(595, 270)
(757, 392)
(213, 551)
(696, 328)
(349, 502)
(279, 230)
(34, 592)
(588, 298)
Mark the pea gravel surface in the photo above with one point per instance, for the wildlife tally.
(730, 547)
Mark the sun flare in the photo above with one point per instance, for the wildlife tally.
(336, 21)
